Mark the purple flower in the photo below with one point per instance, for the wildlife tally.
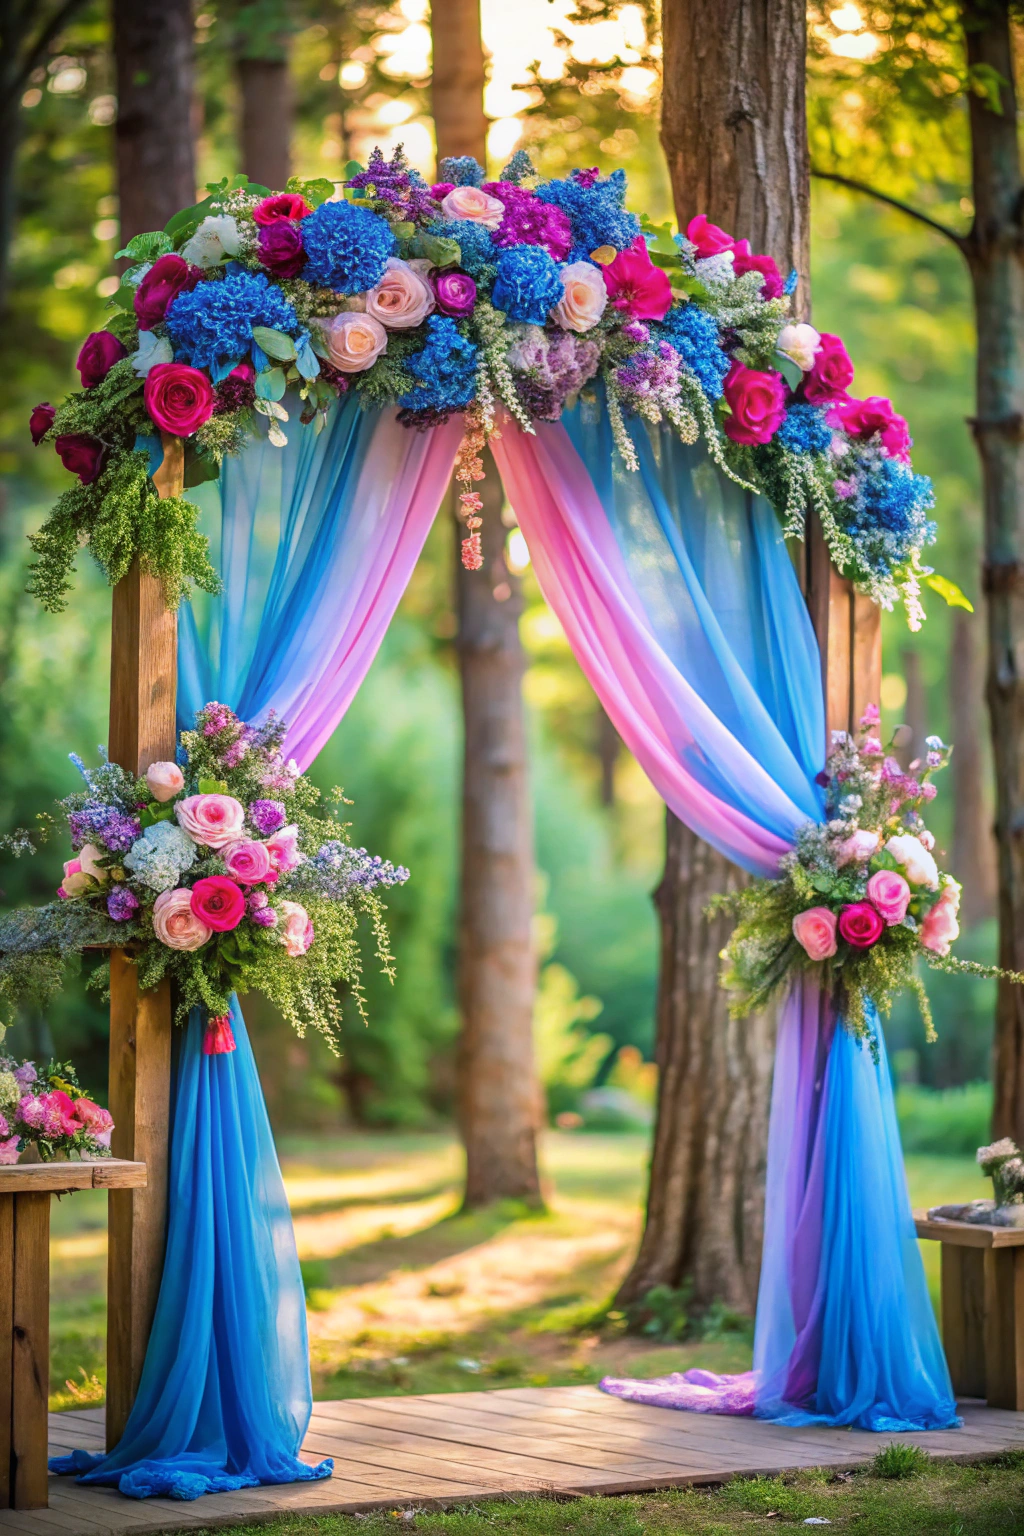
(528, 221)
(103, 823)
(455, 293)
(32, 1112)
(280, 249)
(26, 1074)
(266, 815)
(264, 917)
(122, 904)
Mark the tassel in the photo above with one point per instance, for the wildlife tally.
(469, 468)
(219, 1038)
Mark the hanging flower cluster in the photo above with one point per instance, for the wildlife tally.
(220, 870)
(861, 899)
(519, 293)
(48, 1112)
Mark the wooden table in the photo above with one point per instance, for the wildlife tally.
(982, 1272)
(25, 1191)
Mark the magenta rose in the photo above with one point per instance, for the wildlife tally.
(832, 373)
(280, 248)
(280, 209)
(707, 237)
(41, 420)
(889, 894)
(166, 278)
(744, 260)
(636, 286)
(455, 293)
(100, 351)
(758, 404)
(875, 416)
(178, 398)
(83, 455)
(217, 902)
(815, 931)
(247, 861)
(860, 925)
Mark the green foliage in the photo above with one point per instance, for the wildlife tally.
(944, 1122)
(899, 1461)
(668, 1314)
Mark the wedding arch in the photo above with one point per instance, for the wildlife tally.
(661, 428)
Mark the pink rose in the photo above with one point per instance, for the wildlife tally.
(757, 402)
(832, 373)
(815, 931)
(636, 286)
(889, 894)
(218, 903)
(83, 455)
(211, 820)
(856, 848)
(473, 204)
(295, 928)
(275, 210)
(707, 237)
(164, 781)
(178, 398)
(174, 922)
(940, 926)
(10, 1151)
(352, 341)
(283, 849)
(585, 297)
(860, 925)
(744, 260)
(402, 299)
(41, 420)
(100, 351)
(248, 862)
(166, 278)
(93, 1116)
(871, 417)
(76, 882)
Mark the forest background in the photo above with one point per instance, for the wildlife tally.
(576, 88)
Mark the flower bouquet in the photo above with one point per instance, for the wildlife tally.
(221, 871)
(47, 1111)
(860, 899)
(462, 297)
(1003, 1163)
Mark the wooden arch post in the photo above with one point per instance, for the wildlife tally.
(849, 630)
(143, 678)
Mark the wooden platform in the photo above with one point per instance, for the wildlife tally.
(414, 1451)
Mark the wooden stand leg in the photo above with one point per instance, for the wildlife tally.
(963, 1317)
(1004, 1327)
(143, 676)
(24, 1349)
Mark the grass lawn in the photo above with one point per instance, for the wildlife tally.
(942, 1500)
(406, 1295)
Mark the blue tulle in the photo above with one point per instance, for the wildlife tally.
(225, 1399)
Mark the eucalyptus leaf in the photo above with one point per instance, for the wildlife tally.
(270, 385)
(440, 250)
(306, 361)
(188, 220)
(276, 436)
(147, 247)
(317, 191)
(275, 343)
(791, 372)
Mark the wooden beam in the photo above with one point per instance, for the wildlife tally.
(849, 630)
(30, 1364)
(143, 675)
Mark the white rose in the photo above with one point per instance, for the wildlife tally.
(217, 236)
(153, 349)
(801, 343)
(473, 204)
(918, 865)
(585, 297)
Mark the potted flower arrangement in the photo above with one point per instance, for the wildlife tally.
(222, 871)
(45, 1115)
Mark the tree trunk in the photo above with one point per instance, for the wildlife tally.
(155, 155)
(915, 711)
(995, 253)
(974, 851)
(266, 125)
(734, 134)
(499, 1099)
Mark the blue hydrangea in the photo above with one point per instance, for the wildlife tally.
(596, 210)
(805, 430)
(445, 369)
(161, 855)
(347, 247)
(694, 334)
(211, 327)
(528, 285)
(893, 498)
(461, 171)
(474, 240)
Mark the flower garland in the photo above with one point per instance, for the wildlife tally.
(860, 900)
(448, 299)
(219, 871)
(49, 1112)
